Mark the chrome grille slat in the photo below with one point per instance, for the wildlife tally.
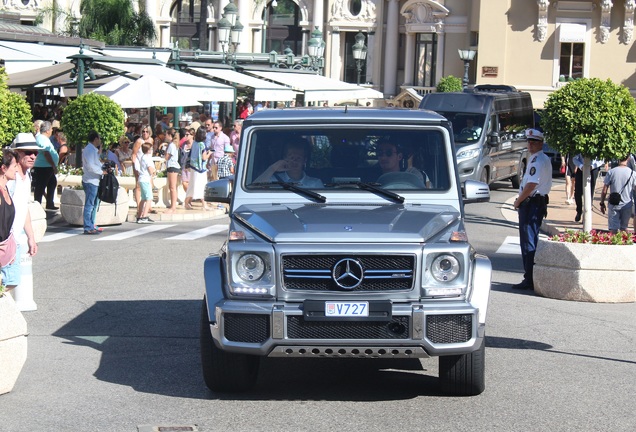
(381, 272)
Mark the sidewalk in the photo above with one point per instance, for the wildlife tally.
(560, 214)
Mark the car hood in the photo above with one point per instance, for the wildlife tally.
(333, 223)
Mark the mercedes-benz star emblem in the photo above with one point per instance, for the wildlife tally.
(348, 273)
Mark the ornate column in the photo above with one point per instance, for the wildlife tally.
(606, 11)
(542, 21)
(319, 17)
(391, 49)
(335, 59)
(628, 25)
(244, 16)
(409, 62)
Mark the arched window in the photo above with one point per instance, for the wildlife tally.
(281, 27)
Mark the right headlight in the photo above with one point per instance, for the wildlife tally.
(251, 274)
(445, 268)
(468, 154)
(445, 271)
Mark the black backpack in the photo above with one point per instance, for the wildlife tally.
(108, 184)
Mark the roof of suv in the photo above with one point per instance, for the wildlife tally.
(346, 114)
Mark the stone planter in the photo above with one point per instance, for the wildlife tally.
(38, 220)
(13, 343)
(72, 208)
(585, 272)
(69, 180)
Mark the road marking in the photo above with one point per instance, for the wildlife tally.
(510, 246)
(200, 233)
(134, 233)
(62, 235)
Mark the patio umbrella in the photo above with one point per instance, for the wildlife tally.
(150, 91)
(113, 86)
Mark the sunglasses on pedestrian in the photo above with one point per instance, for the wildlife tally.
(30, 152)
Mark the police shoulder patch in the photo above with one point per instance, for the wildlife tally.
(534, 159)
(533, 170)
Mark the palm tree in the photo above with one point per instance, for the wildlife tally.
(116, 22)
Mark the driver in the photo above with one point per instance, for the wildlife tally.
(471, 128)
(390, 158)
(290, 169)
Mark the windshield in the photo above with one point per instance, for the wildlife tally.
(329, 158)
(467, 127)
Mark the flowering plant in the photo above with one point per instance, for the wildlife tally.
(596, 237)
(69, 170)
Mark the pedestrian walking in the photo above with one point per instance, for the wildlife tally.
(578, 183)
(532, 203)
(8, 246)
(620, 181)
(45, 167)
(20, 191)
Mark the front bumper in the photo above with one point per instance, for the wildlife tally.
(279, 329)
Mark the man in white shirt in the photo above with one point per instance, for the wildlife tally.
(578, 183)
(92, 167)
(20, 190)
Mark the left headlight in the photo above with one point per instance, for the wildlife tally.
(445, 268)
(251, 274)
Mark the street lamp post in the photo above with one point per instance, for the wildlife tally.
(359, 53)
(466, 55)
(316, 50)
(81, 70)
(230, 29)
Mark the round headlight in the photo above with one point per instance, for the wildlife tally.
(445, 268)
(250, 267)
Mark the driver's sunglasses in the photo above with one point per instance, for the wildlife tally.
(387, 153)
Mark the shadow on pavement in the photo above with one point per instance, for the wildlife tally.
(152, 346)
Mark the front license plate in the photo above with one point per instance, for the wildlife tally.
(347, 309)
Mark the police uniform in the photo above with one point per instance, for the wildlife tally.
(533, 209)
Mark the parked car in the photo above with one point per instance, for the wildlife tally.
(346, 239)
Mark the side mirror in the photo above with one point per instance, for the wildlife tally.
(475, 191)
(494, 138)
(219, 191)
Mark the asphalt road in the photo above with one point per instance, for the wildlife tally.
(114, 347)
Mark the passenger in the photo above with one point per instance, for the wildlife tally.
(290, 168)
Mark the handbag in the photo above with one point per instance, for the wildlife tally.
(562, 170)
(7, 251)
(615, 197)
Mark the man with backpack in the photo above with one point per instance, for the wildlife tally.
(92, 167)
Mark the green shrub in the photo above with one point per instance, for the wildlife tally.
(93, 112)
(449, 84)
(15, 113)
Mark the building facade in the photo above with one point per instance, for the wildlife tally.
(534, 45)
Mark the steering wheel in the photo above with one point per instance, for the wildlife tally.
(401, 180)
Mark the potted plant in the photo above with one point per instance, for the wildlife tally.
(13, 341)
(90, 112)
(15, 114)
(448, 84)
(594, 118)
(596, 267)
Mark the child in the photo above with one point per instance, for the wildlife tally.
(146, 174)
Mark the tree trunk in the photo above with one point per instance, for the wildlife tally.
(587, 195)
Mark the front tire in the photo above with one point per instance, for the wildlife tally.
(463, 375)
(224, 371)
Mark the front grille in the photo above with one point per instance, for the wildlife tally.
(381, 272)
(246, 328)
(449, 328)
(397, 328)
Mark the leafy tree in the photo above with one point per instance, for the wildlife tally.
(449, 84)
(93, 112)
(594, 118)
(15, 113)
(115, 22)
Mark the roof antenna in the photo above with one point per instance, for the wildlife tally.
(346, 108)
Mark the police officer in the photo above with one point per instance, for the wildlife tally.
(532, 203)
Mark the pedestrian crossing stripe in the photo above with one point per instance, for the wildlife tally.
(200, 233)
(105, 236)
(133, 233)
(512, 245)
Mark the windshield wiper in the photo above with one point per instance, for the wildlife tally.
(292, 187)
(374, 187)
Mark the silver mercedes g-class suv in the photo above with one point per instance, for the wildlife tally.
(346, 239)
